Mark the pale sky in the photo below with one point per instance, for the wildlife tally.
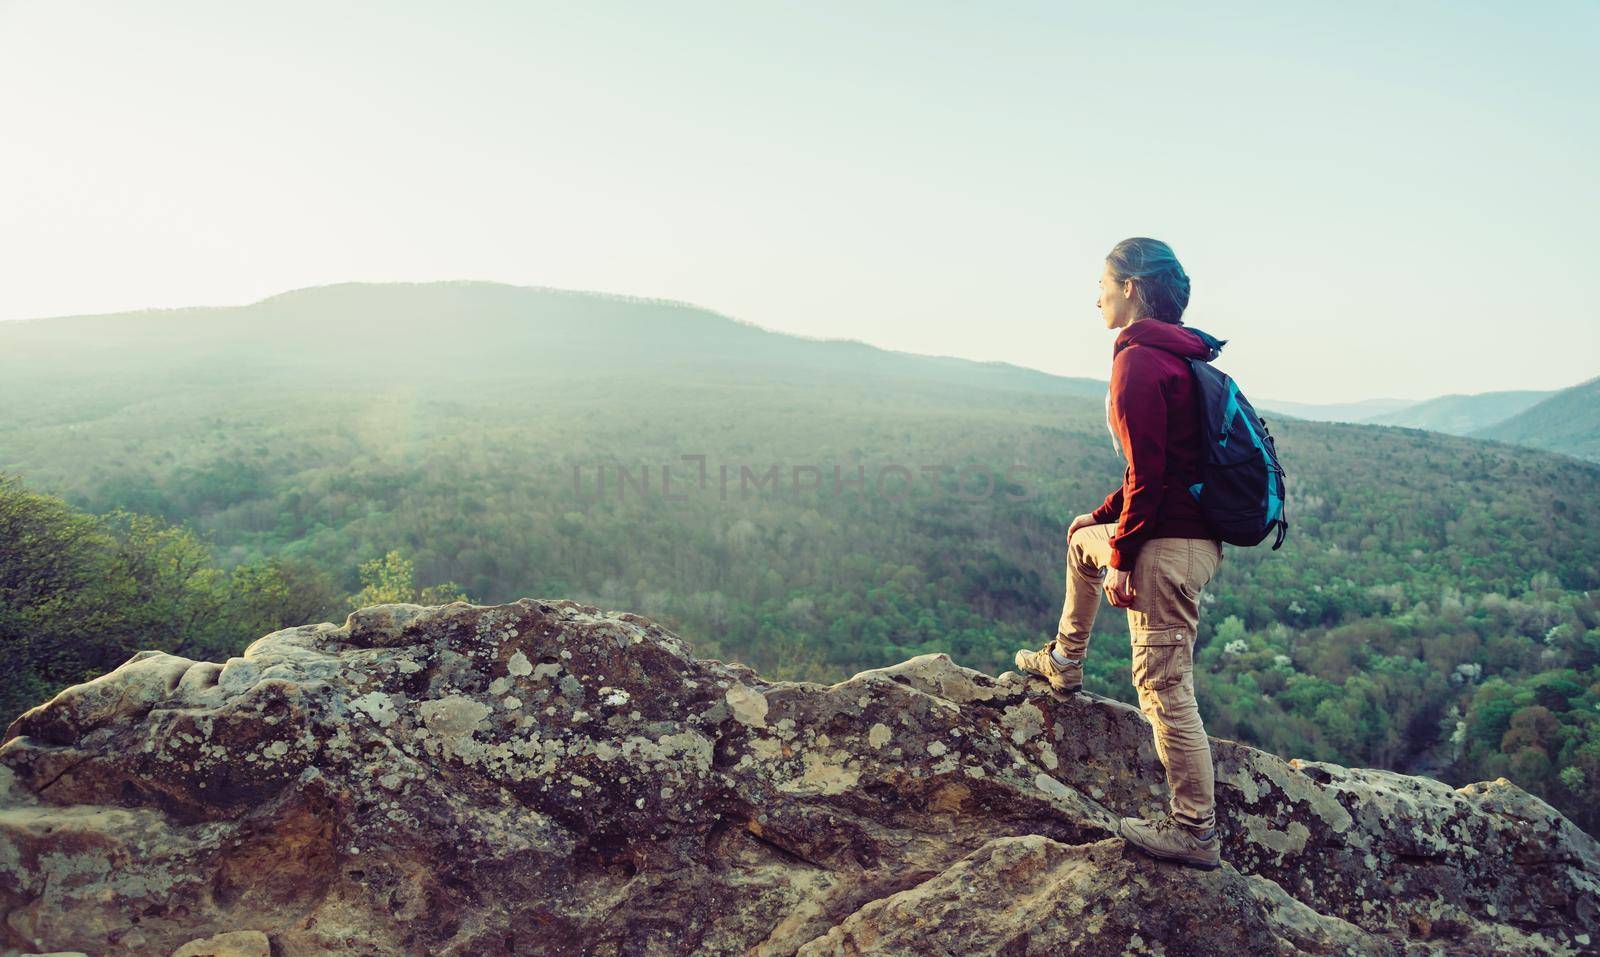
(1371, 199)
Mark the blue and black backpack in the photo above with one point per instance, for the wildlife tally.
(1241, 491)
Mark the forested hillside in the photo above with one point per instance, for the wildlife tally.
(1568, 422)
(826, 507)
(1461, 414)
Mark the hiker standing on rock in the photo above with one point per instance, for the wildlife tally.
(1148, 545)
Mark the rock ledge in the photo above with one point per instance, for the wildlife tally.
(544, 777)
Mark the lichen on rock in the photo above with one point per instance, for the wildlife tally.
(544, 777)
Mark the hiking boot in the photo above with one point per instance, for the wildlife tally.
(1064, 679)
(1167, 839)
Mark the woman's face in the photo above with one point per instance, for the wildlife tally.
(1116, 300)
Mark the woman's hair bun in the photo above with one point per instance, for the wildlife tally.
(1160, 285)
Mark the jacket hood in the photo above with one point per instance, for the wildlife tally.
(1186, 341)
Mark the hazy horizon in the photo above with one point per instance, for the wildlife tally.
(1365, 207)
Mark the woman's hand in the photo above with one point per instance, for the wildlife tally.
(1119, 587)
(1118, 584)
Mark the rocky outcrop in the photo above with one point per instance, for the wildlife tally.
(548, 778)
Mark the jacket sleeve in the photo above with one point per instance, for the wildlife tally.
(1139, 414)
(1111, 507)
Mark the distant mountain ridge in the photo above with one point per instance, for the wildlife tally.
(401, 323)
(1462, 414)
(1567, 421)
(1334, 411)
(1557, 420)
(436, 332)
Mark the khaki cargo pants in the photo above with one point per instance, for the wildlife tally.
(1167, 580)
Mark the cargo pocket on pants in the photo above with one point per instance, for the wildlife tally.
(1160, 661)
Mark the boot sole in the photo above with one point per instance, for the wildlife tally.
(1063, 692)
(1186, 862)
(1053, 686)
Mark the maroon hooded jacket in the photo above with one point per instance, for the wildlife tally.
(1154, 417)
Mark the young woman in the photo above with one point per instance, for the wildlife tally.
(1147, 545)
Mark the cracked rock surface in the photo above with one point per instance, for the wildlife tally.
(544, 777)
